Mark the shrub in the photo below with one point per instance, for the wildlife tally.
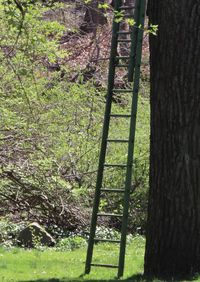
(9, 232)
(50, 131)
(110, 233)
(71, 243)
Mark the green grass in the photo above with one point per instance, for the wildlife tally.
(52, 266)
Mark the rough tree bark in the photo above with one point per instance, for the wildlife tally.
(173, 229)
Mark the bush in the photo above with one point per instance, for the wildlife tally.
(107, 233)
(48, 126)
(9, 232)
(50, 131)
(110, 233)
(71, 243)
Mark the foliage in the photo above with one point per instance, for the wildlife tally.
(112, 234)
(9, 231)
(107, 233)
(50, 130)
(71, 243)
(44, 132)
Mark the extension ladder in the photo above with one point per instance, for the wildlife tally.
(133, 68)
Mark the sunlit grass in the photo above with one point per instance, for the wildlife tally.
(34, 265)
(50, 265)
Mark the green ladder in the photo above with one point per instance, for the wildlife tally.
(133, 68)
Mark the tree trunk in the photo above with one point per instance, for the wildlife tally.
(173, 229)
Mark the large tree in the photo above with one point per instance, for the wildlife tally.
(173, 229)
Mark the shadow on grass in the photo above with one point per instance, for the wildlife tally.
(83, 278)
(134, 278)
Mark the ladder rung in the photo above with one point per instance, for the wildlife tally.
(127, 7)
(110, 214)
(104, 265)
(122, 66)
(113, 190)
(106, 240)
(122, 57)
(118, 116)
(123, 90)
(128, 16)
(118, 141)
(124, 32)
(124, 40)
(115, 165)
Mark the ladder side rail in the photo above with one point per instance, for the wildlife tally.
(131, 140)
(111, 78)
(134, 40)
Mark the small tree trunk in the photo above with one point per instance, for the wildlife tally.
(173, 231)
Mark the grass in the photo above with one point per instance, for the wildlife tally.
(19, 265)
(50, 265)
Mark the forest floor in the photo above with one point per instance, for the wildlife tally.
(50, 265)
